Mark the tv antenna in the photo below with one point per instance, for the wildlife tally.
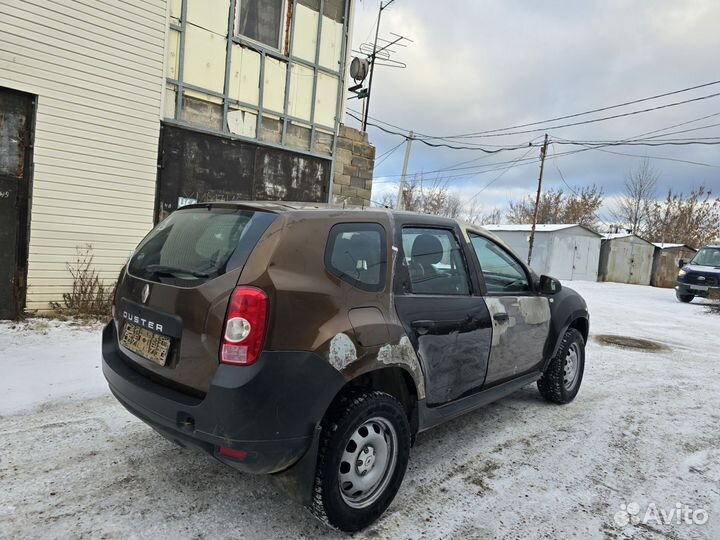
(369, 55)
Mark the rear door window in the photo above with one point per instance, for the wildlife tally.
(197, 244)
(356, 253)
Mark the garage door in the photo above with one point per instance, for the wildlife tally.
(15, 131)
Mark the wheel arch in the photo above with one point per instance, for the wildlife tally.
(393, 380)
(582, 325)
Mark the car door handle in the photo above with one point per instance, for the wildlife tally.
(501, 317)
(422, 326)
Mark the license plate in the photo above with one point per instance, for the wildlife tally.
(147, 344)
(700, 287)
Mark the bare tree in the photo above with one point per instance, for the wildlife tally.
(635, 202)
(493, 217)
(475, 214)
(692, 219)
(428, 197)
(556, 206)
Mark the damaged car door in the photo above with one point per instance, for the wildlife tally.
(520, 316)
(442, 312)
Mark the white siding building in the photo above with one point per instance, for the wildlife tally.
(114, 114)
(563, 251)
(92, 74)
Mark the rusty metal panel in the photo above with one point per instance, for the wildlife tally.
(200, 167)
(282, 175)
(13, 133)
(665, 265)
(8, 246)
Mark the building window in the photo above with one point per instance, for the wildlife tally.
(261, 21)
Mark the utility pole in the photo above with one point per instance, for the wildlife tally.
(373, 57)
(401, 189)
(543, 151)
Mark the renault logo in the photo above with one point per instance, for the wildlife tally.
(145, 293)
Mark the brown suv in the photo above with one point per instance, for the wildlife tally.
(314, 344)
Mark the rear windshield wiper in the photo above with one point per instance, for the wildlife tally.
(160, 269)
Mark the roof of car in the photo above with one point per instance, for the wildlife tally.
(280, 207)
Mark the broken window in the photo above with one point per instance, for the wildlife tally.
(261, 20)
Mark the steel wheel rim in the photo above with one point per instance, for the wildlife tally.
(571, 369)
(368, 462)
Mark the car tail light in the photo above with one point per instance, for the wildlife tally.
(245, 324)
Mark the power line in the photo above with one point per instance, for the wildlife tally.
(438, 145)
(575, 115)
(496, 131)
(680, 124)
(457, 166)
(661, 158)
(603, 118)
(387, 154)
(709, 141)
(498, 177)
(574, 191)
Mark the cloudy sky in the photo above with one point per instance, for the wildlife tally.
(485, 64)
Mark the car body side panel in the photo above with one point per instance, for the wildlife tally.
(518, 342)
(454, 350)
(313, 310)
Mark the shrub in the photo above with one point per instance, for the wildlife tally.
(89, 296)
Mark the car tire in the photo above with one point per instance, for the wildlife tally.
(685, 298)
(561, 380)
(363, 455)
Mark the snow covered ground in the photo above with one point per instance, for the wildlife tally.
(643, 433)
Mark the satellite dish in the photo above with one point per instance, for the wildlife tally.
(359, 68)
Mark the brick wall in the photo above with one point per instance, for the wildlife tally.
(354, 164)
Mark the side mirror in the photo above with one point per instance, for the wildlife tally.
(549, 285)
(681, 263)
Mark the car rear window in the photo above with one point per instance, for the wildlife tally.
(194, 245)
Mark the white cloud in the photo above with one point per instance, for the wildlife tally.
(479, 65)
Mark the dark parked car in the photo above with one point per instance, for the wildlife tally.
(699, 277)
(314, 344)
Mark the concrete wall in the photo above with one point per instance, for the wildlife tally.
(97, 68)
(354, 164)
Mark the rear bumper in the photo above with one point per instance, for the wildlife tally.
(269, 410)
(691, 288)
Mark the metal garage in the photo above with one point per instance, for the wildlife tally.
(665, 263)
(563, 251)
(626, 258)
